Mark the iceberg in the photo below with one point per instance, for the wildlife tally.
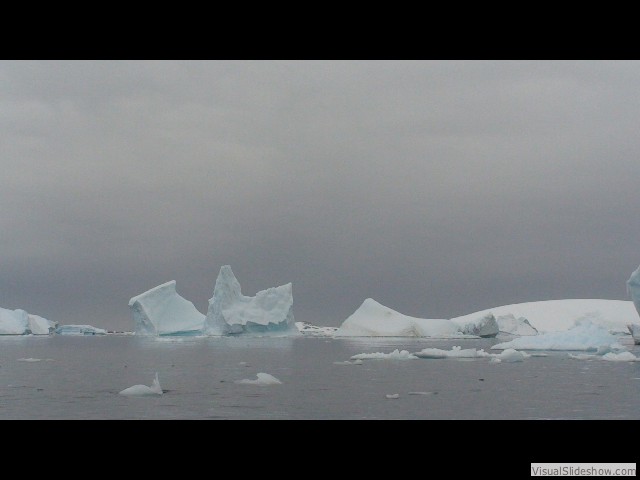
(561, 315)
(375, 320)
(585, 335)
(40, 326)
(634, 330)
(515, 326)
(19, 322)
(14, 322)
(483, 326)
(231, 312)
(162, 311)
(633, 288)
(79, 330)
(143, 390)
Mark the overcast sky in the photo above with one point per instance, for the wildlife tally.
(437, 188)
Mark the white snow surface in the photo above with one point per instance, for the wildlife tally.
(561, 315)
(162, 311)
(375, 320)
(144, 390)
(395, 355)
(231, 312)
(263, 380)
(585, 335)
(80, 330)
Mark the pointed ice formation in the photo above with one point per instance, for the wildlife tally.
(230, 312)
(161, 311)
(373, 319)
(144, 390)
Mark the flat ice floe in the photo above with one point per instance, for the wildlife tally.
(455, 352)
(395, 355)
(585, 335)
(80, 330)
(609, 357)
(263, 380)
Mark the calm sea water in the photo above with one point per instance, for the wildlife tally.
(80, 377)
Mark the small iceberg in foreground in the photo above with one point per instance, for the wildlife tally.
(263, 380)
(143, 390)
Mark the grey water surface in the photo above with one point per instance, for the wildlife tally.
(80, 377)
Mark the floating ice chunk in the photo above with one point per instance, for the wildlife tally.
(482, 326)
(143, 390)
(620, 357)
(583, 356)
(80, 330)
(372, 319)
(395, 355)
(509, 355)
(314, 330)
(392, 395)
(420, 393)
(609, 357)
(455, 352)
(230, 312)
(29, 360)
(263, 379)
(162, 311)
(347, 362)
(585, 335)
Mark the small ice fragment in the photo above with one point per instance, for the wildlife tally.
(143, 390)
(392, 395)
(420, 393)
(263, 379)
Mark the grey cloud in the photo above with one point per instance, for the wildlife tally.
(437, 188)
